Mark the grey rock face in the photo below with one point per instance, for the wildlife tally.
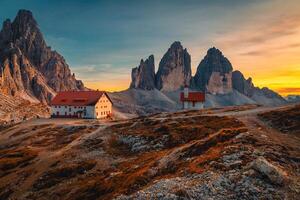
(29, 66)
(263, 96)
(143, 76)
(242, 85)
(174, 69)
(214, 73)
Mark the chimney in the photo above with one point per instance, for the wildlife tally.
(186, 91)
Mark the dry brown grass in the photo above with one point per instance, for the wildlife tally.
(285, 120)
(192, 143)
(179, 131)
(63, 173)
(11, 159)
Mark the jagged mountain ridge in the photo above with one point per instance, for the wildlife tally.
(29, 68)
(214, 75)
(173, 73)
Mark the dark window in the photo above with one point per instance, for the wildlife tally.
(193, 103)
(70, 109)
(57, 113)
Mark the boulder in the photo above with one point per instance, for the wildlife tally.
(273, 173)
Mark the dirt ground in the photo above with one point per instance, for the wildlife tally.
(167, 155)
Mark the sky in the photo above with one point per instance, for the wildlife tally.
(103, 40)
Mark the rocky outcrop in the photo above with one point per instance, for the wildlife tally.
(143, 76)
(242, 85)
(263, 96)
(29, 67)
(214, 73)
(174, 69)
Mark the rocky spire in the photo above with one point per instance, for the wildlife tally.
(174, 69)
(34, 69)
(143, 76)
(214, 73)
(242, 85)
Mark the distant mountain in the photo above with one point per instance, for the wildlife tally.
(174, 69)
(173, 73)
(293, 98)
(143, 76)
(29, 68)
(214, 75)
(263, 96)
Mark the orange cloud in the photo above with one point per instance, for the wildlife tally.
(286, 91)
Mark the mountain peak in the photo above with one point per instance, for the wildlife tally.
(174, 69)
(25, 17)
(28, 64)
(143, 76)
(214, 73)
(176, 45)
(24, 13)
(214, 51)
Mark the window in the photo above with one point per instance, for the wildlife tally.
(65, 113)
(75, 107)
(65, 106)
(97, 113)
(57, 113)
(193, 103)
(70, 109)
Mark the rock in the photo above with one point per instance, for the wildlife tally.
(143, 76)
(214, 73)
(242, 85)
(274, 173)
(263, 96)
(29, 68)
(174, 70)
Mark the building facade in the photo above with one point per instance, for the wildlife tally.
(192, 100)
(81, 104)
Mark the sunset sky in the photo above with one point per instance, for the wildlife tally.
(103, 40)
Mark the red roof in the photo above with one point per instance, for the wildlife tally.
(193, 96)
(77, 98)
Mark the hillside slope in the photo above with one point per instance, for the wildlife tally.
(14, 109)
(210, 154)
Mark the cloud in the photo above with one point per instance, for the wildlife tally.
(289, 90)
(271, 50)
(103, 72)
(263, 31)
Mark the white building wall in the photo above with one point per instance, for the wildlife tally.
(70, 111)
(103, 107)
(190, 105)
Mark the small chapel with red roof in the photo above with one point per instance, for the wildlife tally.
(192, 100)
